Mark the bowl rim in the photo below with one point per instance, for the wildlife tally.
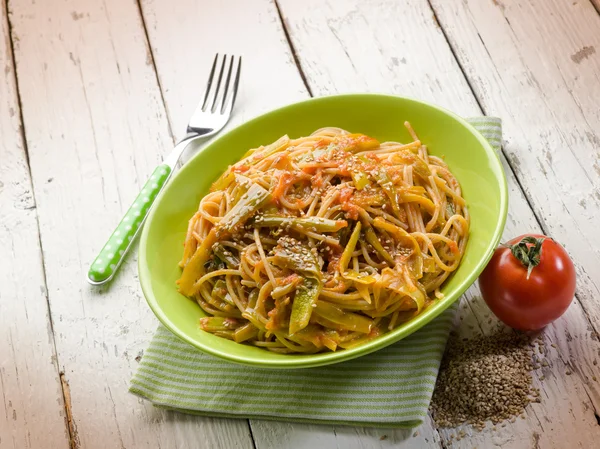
(384, 340)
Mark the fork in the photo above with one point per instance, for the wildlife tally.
(210, 116)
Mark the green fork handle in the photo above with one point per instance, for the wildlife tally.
(112, 254)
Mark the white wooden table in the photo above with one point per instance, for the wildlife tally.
(93, 94)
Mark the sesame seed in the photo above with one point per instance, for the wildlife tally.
(484, 379)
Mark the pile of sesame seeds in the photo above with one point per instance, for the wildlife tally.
(487, 378)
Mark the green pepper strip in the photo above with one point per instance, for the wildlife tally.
(302, 307)
(316, 224)
(194, 269)
(252, 299)
(376, 244)
(346, 320)
(360, 178)
(220, 291)
(388, 187)
(218, 323)
(347, 254)
(297, 257)
(223, 182)
(252, 200)
(226, 256)
(245, 333)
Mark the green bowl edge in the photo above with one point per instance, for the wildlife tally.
(378, 343)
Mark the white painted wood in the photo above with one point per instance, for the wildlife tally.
(376, 46)
(553, 71)
(345, 46)
(96, 125)
(185, 35)
(95, 128)
(32, 413)
(537, 64)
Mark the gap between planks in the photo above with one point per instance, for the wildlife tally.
(145, 425)
(324, 76)
(73, 437)
(152, 58)
(482, 109)
(69, 424)
(293, 51)
(298, 66)
(509, 160)
(301, 72)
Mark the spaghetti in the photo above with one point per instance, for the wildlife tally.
(323, 242)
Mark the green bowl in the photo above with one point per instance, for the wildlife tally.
(470, 157)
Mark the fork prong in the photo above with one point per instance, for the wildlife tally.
(210, 81)
(226, 91)
(218, 88)
(229, 106)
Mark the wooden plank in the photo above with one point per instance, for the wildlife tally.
(398, 48)
(95, 128)
(329, 38)
(183, 59)
(554, 70)
(32, 399)
(374, 47)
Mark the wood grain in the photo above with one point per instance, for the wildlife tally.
(95, 128)
(537, 64)
(344, 46)
(96, 125)
(554, 71)
(32, 414)
(183, 58)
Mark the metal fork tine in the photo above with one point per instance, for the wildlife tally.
(216, 97)
(234, 91)
(237, 81)
(210, 80)
(227, 84)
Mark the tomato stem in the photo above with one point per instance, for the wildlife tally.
(528, 251)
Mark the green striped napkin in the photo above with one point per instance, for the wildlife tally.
(389, 388)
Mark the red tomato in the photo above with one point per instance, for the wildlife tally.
(528, 283)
